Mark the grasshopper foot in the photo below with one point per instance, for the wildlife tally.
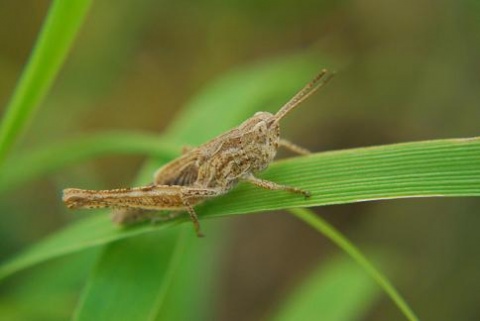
(194, 218)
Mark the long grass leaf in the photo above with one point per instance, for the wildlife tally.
(421, 169)
(60, 28)
(341, 241)
(337, 290)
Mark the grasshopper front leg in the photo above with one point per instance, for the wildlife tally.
(274, 186)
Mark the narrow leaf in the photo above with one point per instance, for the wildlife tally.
(60, 28)
(422, 169)
(106, 300)
(336, 290)
(348, 247)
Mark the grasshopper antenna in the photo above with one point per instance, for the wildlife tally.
(319, 81)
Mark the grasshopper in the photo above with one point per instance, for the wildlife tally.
(204, 172)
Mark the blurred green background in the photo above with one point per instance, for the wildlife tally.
(407, 71)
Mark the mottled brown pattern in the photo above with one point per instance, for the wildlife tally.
(207, 171)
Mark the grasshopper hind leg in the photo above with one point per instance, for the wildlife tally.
(194, 218)
(188, 197)
(197, 194)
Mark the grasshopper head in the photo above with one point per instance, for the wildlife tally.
(263, 134)
(261, 129)
(265, 124)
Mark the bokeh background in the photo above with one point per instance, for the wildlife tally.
(407, 71)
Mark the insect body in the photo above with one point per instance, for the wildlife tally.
(204, 172)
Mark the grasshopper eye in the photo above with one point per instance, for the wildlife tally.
(260, 127)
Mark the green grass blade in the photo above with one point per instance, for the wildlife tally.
(42, 294)
(48, 159)
(94, 231)
(337, 290)
(60, 28)
(135, 281)
(159, 268)
(449, 167)
(194, 280)
(341, 241)
(421, 169)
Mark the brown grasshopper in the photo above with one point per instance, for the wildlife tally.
(204, 172)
